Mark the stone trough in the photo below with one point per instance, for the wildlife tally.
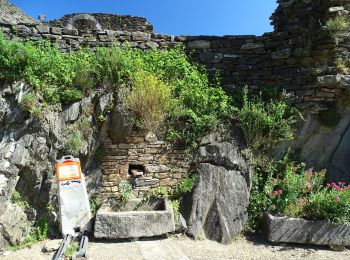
(135, 219)
(298, 230)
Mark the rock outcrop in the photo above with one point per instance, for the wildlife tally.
(28, 149)
(217, 208)
(10, 14)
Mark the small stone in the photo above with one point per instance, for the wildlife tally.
(211, 57)
(152, 45)
(252, 46)
(51, 246)
(281, 54)
(335, 9)
(151, 137)
(43, 28)
(328, 80)
(56, 30)
(140, 36)
(199, 44)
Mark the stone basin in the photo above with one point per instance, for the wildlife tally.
(298, 230)
(135, 219)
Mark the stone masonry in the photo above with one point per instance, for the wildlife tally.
(162, 164)
(299, 56)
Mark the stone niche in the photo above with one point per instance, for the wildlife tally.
(143, 160)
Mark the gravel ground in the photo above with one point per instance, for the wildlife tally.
(183, 248)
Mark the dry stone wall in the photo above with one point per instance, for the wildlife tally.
(157, 162)
(298, 57)
(301, 56)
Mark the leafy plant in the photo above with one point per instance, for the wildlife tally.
(337, 24)
(176, 208)
(75, 143)
(149, 100)
(125, 190)
(342, 65)
(330, 204)
(170, 87)
(95, 204)
(266, 123)
(16, 198)
(184, 187)
(71, 250)
(29, 103)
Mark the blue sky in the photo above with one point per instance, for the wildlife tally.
(189, 17)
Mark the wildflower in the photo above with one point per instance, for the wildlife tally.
(278, 192)
(337, 198)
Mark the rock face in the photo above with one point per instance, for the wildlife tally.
(218, 204)
(297, 230)
(13, 225)
(10, 14)
(146, 222)
(28, 149)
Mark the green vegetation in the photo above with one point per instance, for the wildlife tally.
(286, 188)
(337, 24)
(265, 123)
(186, 101)
(150, 101)
(342, 65)
(17, 199)
(40, 232)
(75, 142)
(95, 205)
(29, 103)
(71, 250)
(77, 135)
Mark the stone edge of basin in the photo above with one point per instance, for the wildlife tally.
(133, 224)
(298, 230)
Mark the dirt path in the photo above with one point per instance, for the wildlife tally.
(182, 248)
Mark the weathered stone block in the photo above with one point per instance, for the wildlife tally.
(281, 54)
(211, 57)
(153, 219)
(140, 36)
(199, 44)
(328, 80)
(298, 230)
(43, 28)
(252, 46)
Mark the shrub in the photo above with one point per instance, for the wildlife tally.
(342, 65)
(193, 105)
(75, 142)
(149, 101)
(330, 204)
(337, 24)
(265, 123)
(30, 104)
(286, 188)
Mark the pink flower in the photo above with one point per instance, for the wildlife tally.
(337, 198)
(278, 192)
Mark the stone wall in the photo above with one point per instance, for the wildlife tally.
(300, 56)
(162, 164)
(98, 21)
